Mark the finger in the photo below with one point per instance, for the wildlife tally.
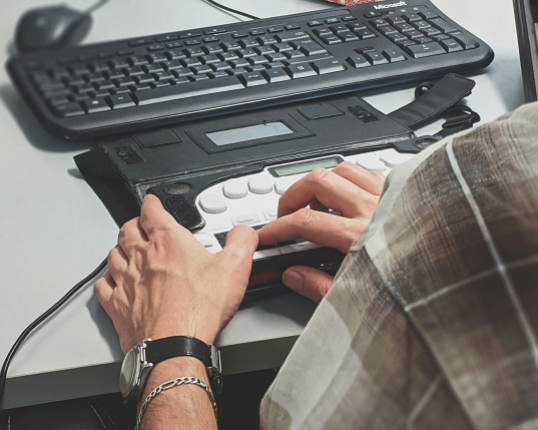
(315, 205)
(241, 242)
(103, 290)
(118, 263)
(311, 283)
(131, 236)
(332, 191)
(318, 227)
(362, 178)
(153, 216)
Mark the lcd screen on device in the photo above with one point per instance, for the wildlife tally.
(252, 132)
(304, 167)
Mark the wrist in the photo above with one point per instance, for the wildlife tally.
(171, 369)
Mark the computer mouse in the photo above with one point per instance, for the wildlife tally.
(53, 27)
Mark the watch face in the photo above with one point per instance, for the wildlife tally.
(129, 371)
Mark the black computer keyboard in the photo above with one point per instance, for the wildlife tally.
(112, 87)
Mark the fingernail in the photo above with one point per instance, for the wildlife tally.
(293, 279)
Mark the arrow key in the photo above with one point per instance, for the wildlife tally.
(425, 50)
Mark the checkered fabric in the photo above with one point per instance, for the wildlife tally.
(432, 321)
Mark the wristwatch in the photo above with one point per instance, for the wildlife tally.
(139, 361)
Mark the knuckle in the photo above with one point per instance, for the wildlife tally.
(317, 175)
(304, 218)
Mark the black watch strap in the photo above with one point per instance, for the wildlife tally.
(178, 346)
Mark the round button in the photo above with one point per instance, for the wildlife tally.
(235, 188)
(394, 158)
(282, 185)
(370, 163)
(213, 204)
(260, 184)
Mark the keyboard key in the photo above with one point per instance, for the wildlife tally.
(290, 27)
(414, 34)
(394, 55)
(121, 101)
(375, 58)
(275, 29)
(175, 54)
(332, 21)
(140, 42)
(162, 75)
(328, 66)
(211, 39)
(314, 23)
(239, 35)
(420, 25)
(260, 184)
(330, 39)
(215, 30)
(155, 48)
(404, 28)
(213, 203)
(220, 74)
(300, 70)
(387, 30)
(230, 46)
(339, 29)
(105, 85)
(358, 61)
(425, 50)
(256, 68)
(442, 25)
(253, 79)
(68, 110)
(450, 45)
(178, 73)
(349, 18)
(138, 60)
(58, 100)
(191, 62)
(95, 105)
(201, 69)
(396, 37)
(393, 20)
(380, 22)
(183, 91)
(263, 50)
(356, 26)
(294, 54)
(266, 40)
(279, 56)
(309, 47)
(221, 65)
(159, 84)
(143, 79)
(212, 49)
(178, 81)
(365, 34)
(193, 42)
(257, 32)
(348, 37)
(282, 47)
(259, 59)
(428, 14)
(430, 31)
(248, 219)
(208, 59)
(172, 65)
(241, 62)
(167, 38)
(187, 34)
(235, 188)
(248, 43)
(465, 41)
(174, 45)
(276, 75)
(410, 17)
(292, 35)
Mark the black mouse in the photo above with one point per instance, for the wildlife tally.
(53, 27)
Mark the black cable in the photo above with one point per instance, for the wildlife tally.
(229, 9)
(43, 317)
(96, 6)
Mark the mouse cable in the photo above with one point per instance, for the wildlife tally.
(96, 6)
(38, 321)
(229, 9)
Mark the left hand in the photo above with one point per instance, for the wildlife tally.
(162, 282)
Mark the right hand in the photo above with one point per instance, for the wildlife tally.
(351, 191)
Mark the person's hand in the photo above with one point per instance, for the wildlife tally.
(162, 282)
(349, 190)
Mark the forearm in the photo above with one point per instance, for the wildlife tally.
(182, 407)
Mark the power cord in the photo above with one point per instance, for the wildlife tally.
(229, 9)
(38, 321)
(96, 6)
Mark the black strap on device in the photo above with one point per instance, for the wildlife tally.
(178, 346)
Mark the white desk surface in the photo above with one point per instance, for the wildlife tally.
(54, 230)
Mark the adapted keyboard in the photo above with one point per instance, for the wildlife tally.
(107, 88)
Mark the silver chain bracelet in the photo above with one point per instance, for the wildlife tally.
(171, 384)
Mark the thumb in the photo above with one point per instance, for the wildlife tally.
(241, 242)
(311, 283)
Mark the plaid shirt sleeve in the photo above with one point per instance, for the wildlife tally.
(432, 321)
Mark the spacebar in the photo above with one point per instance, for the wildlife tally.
(181, 91)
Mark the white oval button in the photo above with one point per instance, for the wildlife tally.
(282, 185)
(393, 158)
(370, 163)
(213, 204)
(235, 188)
(260, 184)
